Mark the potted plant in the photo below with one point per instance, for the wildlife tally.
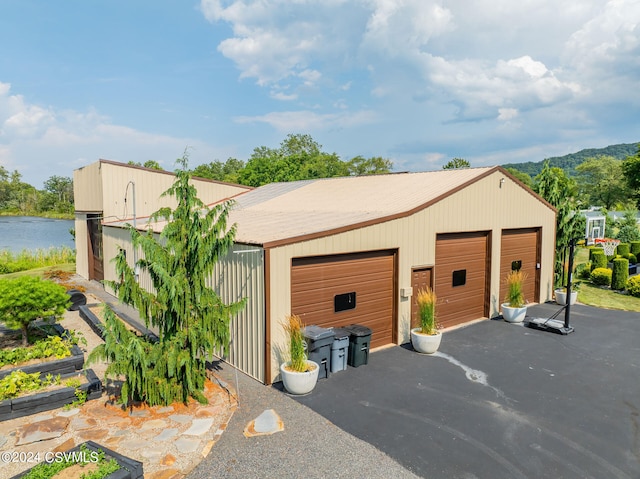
(514, 308)
(426, 339)
(561, 294)
(299, 374)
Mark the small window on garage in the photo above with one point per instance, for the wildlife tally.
(516, 265)
(459, 277)
(344, 302)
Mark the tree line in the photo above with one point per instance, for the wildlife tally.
(299, 157)
(20, 198)
(569, 162)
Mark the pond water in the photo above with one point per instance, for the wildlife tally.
(30, 232)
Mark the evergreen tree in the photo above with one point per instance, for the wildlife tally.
(191, 320)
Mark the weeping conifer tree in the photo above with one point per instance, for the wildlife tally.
(191, 319)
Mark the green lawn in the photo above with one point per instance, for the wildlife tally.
(70, 267)
(605, 298)
(593, 295)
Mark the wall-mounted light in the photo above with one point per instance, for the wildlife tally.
(501, 182)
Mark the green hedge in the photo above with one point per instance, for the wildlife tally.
(601, 276)
(598, 260)
(633, 259)
(620, 274)
(633, 285)
(623, 249)
(635, 248)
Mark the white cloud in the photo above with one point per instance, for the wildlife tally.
(40, 142)
(289, 121)
(278, 95)
(20, 119)
(507, 114)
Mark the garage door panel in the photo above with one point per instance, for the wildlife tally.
(316, 281)
(467, 301)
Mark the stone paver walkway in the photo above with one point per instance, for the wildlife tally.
(170, 441)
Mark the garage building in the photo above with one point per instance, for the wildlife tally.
(355, 250)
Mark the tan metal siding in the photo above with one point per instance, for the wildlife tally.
(521, 245)
(82, 256)
(461, 252)
(240, 274)
(149, 186)
(87, 188)
(316, 281)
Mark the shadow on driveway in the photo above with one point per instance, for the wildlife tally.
(501, 400)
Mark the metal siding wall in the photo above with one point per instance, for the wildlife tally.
(82, 252)
(149, 186)
(240, 274)
(87, 188)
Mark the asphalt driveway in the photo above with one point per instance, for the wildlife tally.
(501, 400)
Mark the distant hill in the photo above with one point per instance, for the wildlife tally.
(569, 162)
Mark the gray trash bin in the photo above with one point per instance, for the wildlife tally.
(339, 350)
(319, 342)
(359, 341)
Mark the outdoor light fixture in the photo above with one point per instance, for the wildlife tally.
(501, 182)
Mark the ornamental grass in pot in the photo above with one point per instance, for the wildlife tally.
(299, 374)
(514, 308)
(426, 339)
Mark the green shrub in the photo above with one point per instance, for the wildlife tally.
(601, 276)
(27, 298)
(591, 250)
(620, 274)
(623, 249)
(599, 260)
(633, 286)
(633, 259)
(583, 270)
(635, 248)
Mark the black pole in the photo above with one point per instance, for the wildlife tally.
(567, 311)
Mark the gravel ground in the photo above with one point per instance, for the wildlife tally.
(310, 446)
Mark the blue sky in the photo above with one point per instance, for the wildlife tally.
(415, 81)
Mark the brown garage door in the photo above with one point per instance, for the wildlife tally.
(462, 262)
(334, 291)
(520, 249)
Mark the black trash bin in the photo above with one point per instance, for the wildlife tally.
(319, 342)
(339, 349)
(359, 341)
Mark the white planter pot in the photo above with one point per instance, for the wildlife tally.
(300, 383)
(513, 315)
(561, 297)
(425, 343)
